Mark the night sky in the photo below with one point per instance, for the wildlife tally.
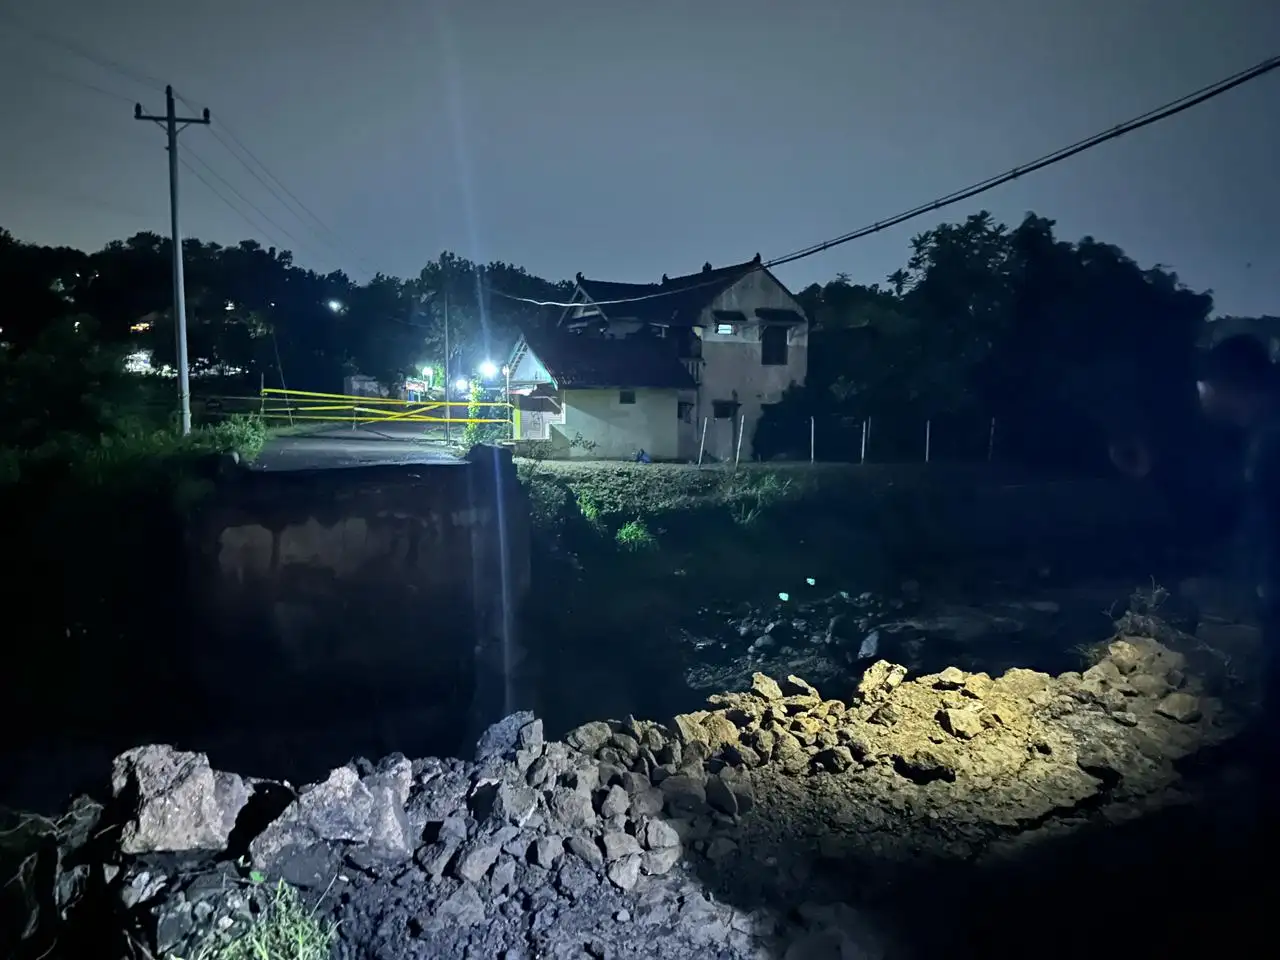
(628, 140)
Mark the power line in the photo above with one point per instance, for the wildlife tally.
(1169, 109)
(1152, 116)
(277, 188)
(106, 63)
(243, 199)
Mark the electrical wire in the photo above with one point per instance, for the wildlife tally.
(1170, 109)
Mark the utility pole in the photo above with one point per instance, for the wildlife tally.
(170, 122)
(448, 384)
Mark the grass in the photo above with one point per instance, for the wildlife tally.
(284, 929)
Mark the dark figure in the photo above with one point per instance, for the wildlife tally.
(1240, 387)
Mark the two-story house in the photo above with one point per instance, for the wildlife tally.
(737, 332)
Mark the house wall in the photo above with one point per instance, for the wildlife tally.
(610, 430)
(731, 364)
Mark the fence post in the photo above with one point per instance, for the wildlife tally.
(991, 440)
(702, 444)
(928, 438)
(812, 440)
(742, 428)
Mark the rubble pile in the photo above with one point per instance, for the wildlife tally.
(694, 838)
(829, 638)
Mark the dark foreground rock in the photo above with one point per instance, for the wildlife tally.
(701, 837)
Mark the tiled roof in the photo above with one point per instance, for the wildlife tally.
(578, 361)
(676, 301)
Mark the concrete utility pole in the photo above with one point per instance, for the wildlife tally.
(448, 384)
(170, 122)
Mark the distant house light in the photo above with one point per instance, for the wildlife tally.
(724, 329)
(141, 327)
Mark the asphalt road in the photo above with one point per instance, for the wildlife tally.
(342, 447)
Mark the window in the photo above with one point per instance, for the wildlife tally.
(626, 396)
(724, 329)
(723, 409)
(684, 411)
(773, 346)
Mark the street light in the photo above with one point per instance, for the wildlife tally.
(460, 384)
(335, 306)
(427, 373)
(488, 370)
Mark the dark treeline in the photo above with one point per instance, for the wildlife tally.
(1067, 345)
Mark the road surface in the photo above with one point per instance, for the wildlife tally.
(338, 447)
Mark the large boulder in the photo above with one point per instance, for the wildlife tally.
(175, 802)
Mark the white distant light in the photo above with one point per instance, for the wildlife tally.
(506, 371)
(427, 373)
(460, 384)
(335, 306)
(488, 370)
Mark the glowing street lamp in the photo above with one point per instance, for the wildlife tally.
(335, 306)
(428, 374)
(488, 370)
(460, 384)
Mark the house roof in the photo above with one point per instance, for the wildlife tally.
(676, 301)
(577, 361)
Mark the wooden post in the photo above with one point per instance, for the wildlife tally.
(702, 445)
(928, 436)
(742, 428)
(812, 433)
(991, 440)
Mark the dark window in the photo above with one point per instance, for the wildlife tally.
(626, 396)
(723, 409)
(685, 411)
(773, 346)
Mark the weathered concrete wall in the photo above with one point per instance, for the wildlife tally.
(612, 430)
(370, 587)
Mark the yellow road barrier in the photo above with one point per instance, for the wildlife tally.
(280, 404)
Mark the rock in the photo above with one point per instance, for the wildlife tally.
(648, 803)
(515, 803)
(463, 908)
(1126, 656)
(1149, 685)
(503, 877)
(585, 850)
(951, 678)
(765, 687)
(571, 808)
(834, 760)
(502, 739)
(531, 735)
(624, 873)
(879, 681)
(684, 795)
(546, 851)
(617, 844)
(176, 802)
(475, 860)
(720, 797)
(964, 724)
(434, 858)
(341, 809)
(615, 802)
(589, 737)
(1182, 707)
(658, 835)
(660, 861)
